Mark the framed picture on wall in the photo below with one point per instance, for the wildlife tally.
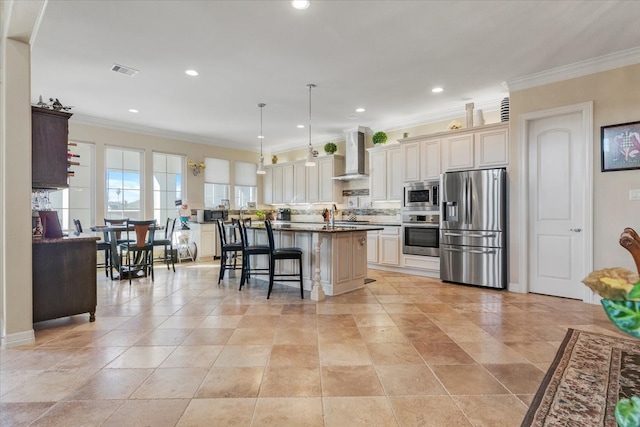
(620, 146)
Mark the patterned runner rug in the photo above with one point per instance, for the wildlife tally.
(590, 373)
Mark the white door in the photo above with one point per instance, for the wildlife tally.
(557, 205)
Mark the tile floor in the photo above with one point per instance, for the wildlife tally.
(184, 351)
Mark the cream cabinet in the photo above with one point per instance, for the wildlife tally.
(385, 176)
(288, 189)
(312, 187)
(329, 189)
(299, 182)
(207, 241)
(267, 186)
(383, 247)
(476, 148)
(421, 160)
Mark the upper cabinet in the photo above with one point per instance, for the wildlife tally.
(49, 138)
(426, 157)
(385, 171)
(421, 159)
(294, 182)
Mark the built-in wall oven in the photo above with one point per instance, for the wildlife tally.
(421, 196)
(421, 233)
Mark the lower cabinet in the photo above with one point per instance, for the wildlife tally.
(383, 247)
(207, 241)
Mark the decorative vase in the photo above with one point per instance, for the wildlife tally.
(274, 159)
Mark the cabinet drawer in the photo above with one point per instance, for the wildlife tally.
(391, 231)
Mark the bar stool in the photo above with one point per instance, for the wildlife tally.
(248, 251)
(103, 245)
(230, 252)
(280, 254)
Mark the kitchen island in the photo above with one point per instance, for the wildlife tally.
(334, 259)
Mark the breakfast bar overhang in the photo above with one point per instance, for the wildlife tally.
(334, 258)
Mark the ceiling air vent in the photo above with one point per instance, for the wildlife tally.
(124, 70)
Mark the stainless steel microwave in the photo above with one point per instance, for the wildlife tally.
(421, 196)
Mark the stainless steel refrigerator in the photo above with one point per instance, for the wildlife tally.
(473, 227)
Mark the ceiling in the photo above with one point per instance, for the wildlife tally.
(384, 56)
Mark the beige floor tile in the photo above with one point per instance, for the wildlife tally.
(91, 357)
(22, 414)
(243, 355)
(332, 308)
(259, 321)
(299, 336)
(425, 334)
(37, 359)
(171, 383)
(518, 378)
(247, 336)
(12, 379)
(344, 354)
(221, 321)
(289, 411)
(381, 334)
(401, 308)
(535, 351)
(358, 411)
(427, 411)
(192, 357)
(75, 339)
(379, 319)
(394, 354)
(443, 353)
(182, 322)
(78, 413)
(161, 412)
(291, 381)
(306, 321)
(407, 380)
(434, 307)
(506, 410)
(337, 335)
(294, 355)
(49, 386)
(492, 352)
(120, 338)
(350, 381)
(110, 384)
(467, 380)
(218, 412)
(208, 336)
(231, 382)
(332, 321)
(142, 357)
(164, 337)
(303, 308)
(230, 309)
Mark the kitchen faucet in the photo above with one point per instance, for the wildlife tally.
(240, 211)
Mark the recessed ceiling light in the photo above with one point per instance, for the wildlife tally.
(191, 73)
(300, 4)
(300, 126)
(437, 90)
(360, 110)
(260, 136)
(133, 110)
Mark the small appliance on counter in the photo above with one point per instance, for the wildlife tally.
(284, 214)
(208, 215)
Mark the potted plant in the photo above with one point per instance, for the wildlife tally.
(379, 138)
(330, 148)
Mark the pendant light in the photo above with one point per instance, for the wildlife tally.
(310, 161)
(260, 170)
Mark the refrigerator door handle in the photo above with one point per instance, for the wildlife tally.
(472, 251)
(469, 235)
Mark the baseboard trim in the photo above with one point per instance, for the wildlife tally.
(516, 287)
(18, 339)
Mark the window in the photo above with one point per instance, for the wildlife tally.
(168, 170)
(77, 201)
(123, 183)
(216, 182)
(246, 184)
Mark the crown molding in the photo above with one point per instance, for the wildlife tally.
(578, 69)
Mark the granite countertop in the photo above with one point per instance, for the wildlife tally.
(316, 228)
(357, 224)
(66, 239)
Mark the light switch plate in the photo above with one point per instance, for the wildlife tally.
(634, 194)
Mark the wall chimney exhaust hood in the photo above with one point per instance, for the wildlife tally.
(354, 156)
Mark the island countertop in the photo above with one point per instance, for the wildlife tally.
(316, 228)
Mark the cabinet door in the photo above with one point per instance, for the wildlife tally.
(378, 175)
(431, 159)
(359, 255)
(458, 152)
(394, 174)
(287, 183)
(207, 241)
(372, 247)
(299, 182)
(267, 186)
(390, 246)
(325, 179)
(313, 191)
(492, 147)
(278, 195)
(49, 138)
(411, 161)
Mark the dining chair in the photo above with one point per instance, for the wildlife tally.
(136, 253)
(116, 221)
(249, 250)
(277, 254)
(103, 245)
(230, 251)
(167, 242)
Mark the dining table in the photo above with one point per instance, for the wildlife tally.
(113, 235)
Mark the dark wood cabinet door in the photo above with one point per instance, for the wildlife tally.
(49, 137)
